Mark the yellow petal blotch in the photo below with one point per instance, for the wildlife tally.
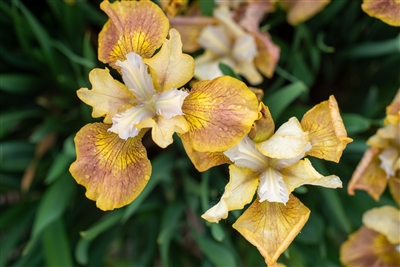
(170, 68)
(114, 171)
(203, 161)
(107, 97)
(367, 247)
(271, 226)
(220, 113)
(139, 27)
(386, 10)
(326, 130)
(368, 175)
(386, 221)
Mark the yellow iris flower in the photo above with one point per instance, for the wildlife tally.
(214, 115)
(380, 164)
(274, 167)
(377, 242)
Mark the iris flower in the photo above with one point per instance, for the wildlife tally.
(377, 242)
(274, 167)
(380, 164)
(111, 160)
(386, 10)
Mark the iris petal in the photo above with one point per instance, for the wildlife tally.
(169, 103)
(272, 187)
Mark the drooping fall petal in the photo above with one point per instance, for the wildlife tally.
(303, 172)
(170, 68)
(239, 191)
(368, 175)
(203, 161)
(114, 171)
(139, 27)
(302, 10)
(271, 227)
(384, 220)
(107, 97)
(220, 113)
(386, 10)
(289, 141)
(327, 133)
(367, 247)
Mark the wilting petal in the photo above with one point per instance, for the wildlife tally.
(246, 155)
(264, 126)
(328, 136)
(170, 68)
(303, 173)
(268, 54)
(107, 97)
(289, 141)
(386, 10)
(207, 66)
(163, 129)
(220, 113)
(302, 10)
(203, 161)
(239, 191)
(394, 187)
(389, 157)
(169, 103)
(368, 175)
(367, 247)
(123, 122)
(190, 29)
(136, 77)
(114, 171)
(385, 220)
(139, 27)
(272, 187)
(271, 227)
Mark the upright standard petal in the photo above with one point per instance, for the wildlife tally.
(289, 141)
(220, 113)
(384, 220)
(386, 10)
(114, 171)
(239, 191)
(170, 68)
(327, 133)
(271, 227)
(368, 175)
(107, 97)
(139, 27)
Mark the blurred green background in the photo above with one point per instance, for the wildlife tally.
(47, 51)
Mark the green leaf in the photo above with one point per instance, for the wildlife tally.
(355, 123)
(15, 155)
(301, 70)
(312, 232)
(278, 101)
(56, 244)
(207, 7)
(106, 222)
(60, 165)
(217, 232)
(10, 119)
(374, 49)
(81, 251)
(18, 83)
(217, 253)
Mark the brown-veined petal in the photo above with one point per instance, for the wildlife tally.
(271, 227)
(163, 129)
(264, 126)
(368, 175)
(327, 133)
(203, 161)
(268, 54)
(385, 220)
(139, 27)
(366, 247)
(107, 97)
(170, 68)
(394, 187)
(239, 191)
(303, 172)
(288, 142)
(114, 171)
(386, 10)
(302, 10)
(220, 113)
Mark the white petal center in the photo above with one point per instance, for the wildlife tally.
(169, 103)
(272, 187)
